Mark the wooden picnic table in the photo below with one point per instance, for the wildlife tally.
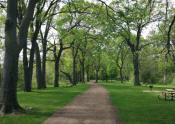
(169, 93)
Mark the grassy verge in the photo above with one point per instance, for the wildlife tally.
(136, 107)
(44, 103)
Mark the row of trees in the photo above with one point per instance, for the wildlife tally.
(84, 40)
(28, 31)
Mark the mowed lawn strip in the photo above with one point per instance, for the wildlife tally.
(136, 107)
(44, 103)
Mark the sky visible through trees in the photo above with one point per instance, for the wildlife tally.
(48, 42)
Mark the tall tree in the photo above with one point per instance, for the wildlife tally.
(13, 46)
(40, 17)
(132, 18)
(57, 57)
(122, 53)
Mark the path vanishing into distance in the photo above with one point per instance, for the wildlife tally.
(91, 107)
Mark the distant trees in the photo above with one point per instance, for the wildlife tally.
(77, 26)
(133, 17)
(122, 53)
(163, 43)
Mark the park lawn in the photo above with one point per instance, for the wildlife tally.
(136, 107)
(44, 103)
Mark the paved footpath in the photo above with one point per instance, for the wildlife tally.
(91, 107)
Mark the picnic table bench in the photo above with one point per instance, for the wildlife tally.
(169, 93)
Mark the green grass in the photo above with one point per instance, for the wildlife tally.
(44, 104)
(136, 107)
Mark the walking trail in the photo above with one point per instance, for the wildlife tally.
(91, 107)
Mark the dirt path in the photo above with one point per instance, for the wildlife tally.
(91, 107)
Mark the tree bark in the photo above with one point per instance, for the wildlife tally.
(31, 61)
(121, 75)
(87, 73)
(57, 61)
(83, 71)
(44, 63)
(39, 78)
(38, 25)
(28, 69)
(75, 74)
(23, 31)
(56, 83)
(57, 64)
(80, 75)
(106, 77)
(27, 83)
(8, 99)
(96, 76)
(82, 68)
(74, 70)
(136, 69)
(44, 46)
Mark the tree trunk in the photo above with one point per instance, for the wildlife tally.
(76, 77)
(27, 83)
(136, 69)
(28, 68)
(56, 84)
(80, 75)
(8, 97)
(57, 64)
(87, 72)
(39, 78)
(96, 76)
(74, 70)
(0, 76)
(121, 75)
(83, 72)
(33, 50)
(106, 77)
(44, 46)
(44, 63)
(8, 100)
